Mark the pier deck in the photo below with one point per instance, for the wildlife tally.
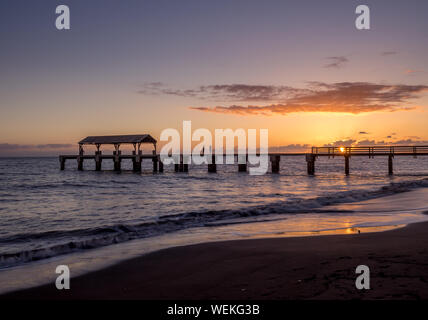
(180, 165)
(365, 151)
(370, 151)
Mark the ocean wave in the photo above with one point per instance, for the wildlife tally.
(67, 241)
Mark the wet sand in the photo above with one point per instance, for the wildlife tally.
(321, 267)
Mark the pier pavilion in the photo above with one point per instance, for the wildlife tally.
(136, 140)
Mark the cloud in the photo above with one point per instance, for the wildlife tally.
(391, 135)
(226, 92)
(341, 143)
(344, 97)
(291, 148)
(388, 53)
(158, 88)
(336, 62)
(367, 142)
(411, 71)
(13, 147)
(411, 142)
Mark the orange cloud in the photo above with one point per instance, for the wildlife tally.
(410, 71)
(345, 97)
(367, 142)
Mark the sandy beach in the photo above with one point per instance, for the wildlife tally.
(320, 267)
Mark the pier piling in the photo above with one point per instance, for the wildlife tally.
(136, 161)
(242, 163)
(242, 167)
(155, 164)
(310, 161)
(347, 165)
(212, 167)
(160, 164)
(390, 165)
(274, 160)
(98, 160)
(186, 161)
(180, 166)
(80, 163)
(62, 162)
(117, 160)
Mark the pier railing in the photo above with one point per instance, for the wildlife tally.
(370, 151)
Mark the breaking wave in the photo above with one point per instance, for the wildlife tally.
(60, 242)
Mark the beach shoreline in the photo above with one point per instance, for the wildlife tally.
(320, 267)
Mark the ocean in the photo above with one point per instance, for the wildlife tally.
(50, 214)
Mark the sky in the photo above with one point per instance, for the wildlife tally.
(300, 69)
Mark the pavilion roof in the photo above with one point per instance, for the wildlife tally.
(119, 139)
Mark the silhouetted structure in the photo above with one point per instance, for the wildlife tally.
(367, 151)
(182, 161)
(136, 140)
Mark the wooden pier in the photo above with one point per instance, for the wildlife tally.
(183, 166)
(369, 151)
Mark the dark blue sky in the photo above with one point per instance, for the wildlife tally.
(86, 80)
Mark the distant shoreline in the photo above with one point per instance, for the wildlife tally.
(277, 268)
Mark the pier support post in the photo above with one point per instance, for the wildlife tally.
(80, 163)
(181, 165)
(160, 164)
(242, 167)
(177, 162)
(136, 165)
(98, 160)
(212, 167)
(242, 163)
(274, 160)
(347, 165)
(80, 158)
(62, 162)
(117, 160)
(310, 161)
(136, 161)
(390, 165)
(185, 163)
(155, 164)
